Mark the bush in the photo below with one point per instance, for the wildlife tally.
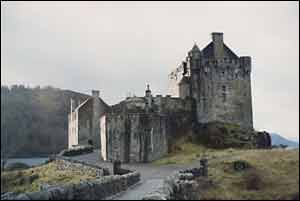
(253, 181)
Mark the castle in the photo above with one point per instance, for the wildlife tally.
(214, 86)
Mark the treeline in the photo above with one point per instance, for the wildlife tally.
(34, 121)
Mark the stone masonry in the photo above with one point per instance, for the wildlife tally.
(220, 82)
(214, 85)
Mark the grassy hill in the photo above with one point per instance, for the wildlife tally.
(272, 174)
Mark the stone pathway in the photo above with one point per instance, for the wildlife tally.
(139, 191)
(152, 176)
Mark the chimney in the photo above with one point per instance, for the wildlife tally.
(217, 38)
(95, 93)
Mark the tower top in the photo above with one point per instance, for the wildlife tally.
(148, 91)
(195, 48)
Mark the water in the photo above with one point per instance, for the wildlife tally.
(28, 161)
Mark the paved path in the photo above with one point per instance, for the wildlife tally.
(152, 176)
(140, 190)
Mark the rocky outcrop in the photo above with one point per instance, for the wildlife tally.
(221, 135)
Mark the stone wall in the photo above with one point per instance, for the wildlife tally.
(99, 189)
(72, 129)
(136, 137)
(141, 129)
(220, 83)
(222, 89)
(84, 121)
(181, 185)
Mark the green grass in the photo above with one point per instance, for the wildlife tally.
(274, 174)
(30, 180)
(183, 152)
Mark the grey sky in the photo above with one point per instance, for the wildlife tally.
(118, 47)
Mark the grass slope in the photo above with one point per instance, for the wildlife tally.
(30, 180)
(273, 174)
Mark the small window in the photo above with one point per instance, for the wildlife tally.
(224, 97)
(224, 93)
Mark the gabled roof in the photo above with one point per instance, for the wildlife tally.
(87, 100)
(83, 103)
(208, 51)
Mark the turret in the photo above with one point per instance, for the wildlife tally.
(148, 91)
(148, 96)
(194, 56)
(245, 62)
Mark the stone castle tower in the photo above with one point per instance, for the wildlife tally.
(220, 83)
(215, 86)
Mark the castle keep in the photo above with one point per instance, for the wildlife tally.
(214, 86)
(220, 83)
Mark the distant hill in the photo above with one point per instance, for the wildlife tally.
(34, 121)
(278, 139)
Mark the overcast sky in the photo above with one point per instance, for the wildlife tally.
(118, 47)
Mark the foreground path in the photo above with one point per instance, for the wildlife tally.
(140, 190)
(152, 176)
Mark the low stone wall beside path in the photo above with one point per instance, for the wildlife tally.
(98, 189)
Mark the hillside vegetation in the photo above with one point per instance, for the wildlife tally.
(34, 121)
(272, 174)
(30, 180)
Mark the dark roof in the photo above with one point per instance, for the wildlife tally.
(90, 99)
(195, 48)
(208, 51)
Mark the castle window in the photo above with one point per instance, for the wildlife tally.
(224, 93)
(224, 97)
(224, 88)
